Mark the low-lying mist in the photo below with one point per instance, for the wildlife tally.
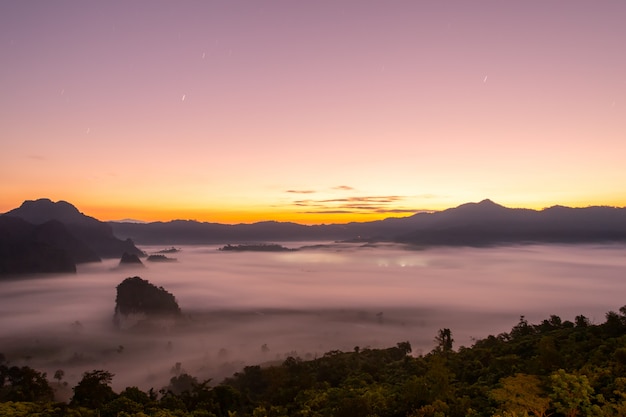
(245, 308)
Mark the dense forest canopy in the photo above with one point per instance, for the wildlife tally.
(553, 368)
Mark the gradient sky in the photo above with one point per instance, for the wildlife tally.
(324, 111)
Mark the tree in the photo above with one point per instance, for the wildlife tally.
(24, 384)
(94, 390)
(522, 328)
(444, 340)
(521, 394)
(58, 375)
(581, 321)
(553, 323)
(613, 325)
(548, 354)
(136, 395)
(181, 383)
(121, 406)
(404, 347)
(571, 393)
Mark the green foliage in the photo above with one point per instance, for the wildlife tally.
(521, 395)
(572, 394)
(555, 368)
(121, 405)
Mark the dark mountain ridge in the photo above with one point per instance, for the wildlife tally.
(29, 248)
(487, 223)
(42, 237)
(96, 236)
(482, 223)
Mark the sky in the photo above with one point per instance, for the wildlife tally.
(314, 112)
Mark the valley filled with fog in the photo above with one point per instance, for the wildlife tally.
(246, 308)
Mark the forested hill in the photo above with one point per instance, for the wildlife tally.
(553, 368)
(483, 223)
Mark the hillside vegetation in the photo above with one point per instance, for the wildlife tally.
(553, 368)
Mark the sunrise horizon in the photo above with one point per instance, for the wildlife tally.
(242, 216)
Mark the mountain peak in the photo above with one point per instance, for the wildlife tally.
(487, 202)
(481, 206)
(92, 233)
(42, 210)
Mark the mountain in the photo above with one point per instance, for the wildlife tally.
(481, 223)
(487, 223)
(29, 248)
(96, 236)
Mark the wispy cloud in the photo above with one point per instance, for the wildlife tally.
(399, 211)
(301, 191)
(368, 199)
(355, 205)
(348, 203)
(328, 212)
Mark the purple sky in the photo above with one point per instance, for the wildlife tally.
(240, 111)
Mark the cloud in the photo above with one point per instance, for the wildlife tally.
(330, 212)
(354, 205)
(412, 211)
(301, 191)
(365, 204)
(369, 199)
(307, 203)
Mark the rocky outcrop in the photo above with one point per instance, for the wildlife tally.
(138, 300)
(130, 259)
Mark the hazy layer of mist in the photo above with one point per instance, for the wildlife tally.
(300, 303)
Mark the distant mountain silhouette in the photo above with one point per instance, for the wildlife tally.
(28, 248)
(192, 232)
(488, 223)
(96, 236)
(482, 223)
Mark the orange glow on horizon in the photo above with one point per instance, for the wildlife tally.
(259, 213)
(234, 216)
(239, 215)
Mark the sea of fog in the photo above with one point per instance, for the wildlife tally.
(246, 308)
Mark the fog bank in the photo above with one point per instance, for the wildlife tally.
(253, 307)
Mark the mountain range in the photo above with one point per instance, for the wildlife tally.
(46, 236)
(475, 224)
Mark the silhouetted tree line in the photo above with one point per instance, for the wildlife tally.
(260, 247)
(554, 368)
